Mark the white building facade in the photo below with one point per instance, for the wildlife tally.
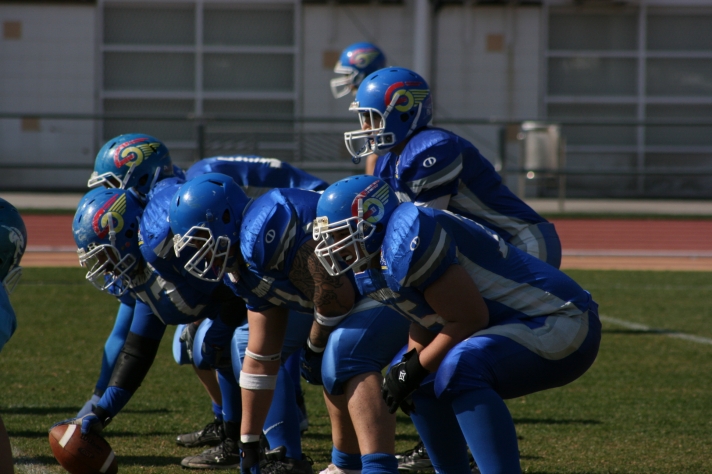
(618, 77)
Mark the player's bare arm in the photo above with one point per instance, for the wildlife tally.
(332, 296)
(456, 299)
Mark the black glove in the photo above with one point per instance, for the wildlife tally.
(250, 458)
(402, 380)
(310, 365)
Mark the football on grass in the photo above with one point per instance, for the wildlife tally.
(88, 454)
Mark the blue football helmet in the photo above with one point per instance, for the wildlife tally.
(353, 212)
(105, 229)
(392, 104)
(133, 161)
(206, 214)
(13, 241)
(355, 63)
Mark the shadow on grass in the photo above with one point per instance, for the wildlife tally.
(30, 460)
(147, 461)
(640, 332)
(550, 421)
(108, 435)
(69, 410)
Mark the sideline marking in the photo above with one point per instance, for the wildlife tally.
(664, 332)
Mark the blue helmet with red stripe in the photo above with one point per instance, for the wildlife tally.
(392, 103)
(105, 229)
(355, 63)
(352, 214)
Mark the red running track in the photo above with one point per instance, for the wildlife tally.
(54, 232)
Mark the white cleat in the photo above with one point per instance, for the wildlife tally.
(332, 469)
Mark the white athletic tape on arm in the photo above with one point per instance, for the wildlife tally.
(257, 382)
(329, 321)
(261, 358)
(248, 438)
(311, 346)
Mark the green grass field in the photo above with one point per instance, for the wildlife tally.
(644, 407)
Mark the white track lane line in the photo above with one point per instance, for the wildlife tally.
(664, 332)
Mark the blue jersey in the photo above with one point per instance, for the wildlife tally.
(436, 163)
(257, 175)
(273, 228)
(8, 321)
(420, 245)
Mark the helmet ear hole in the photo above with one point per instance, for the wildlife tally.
(129, 233)
(226, 217)
(379, 228)
(404, 117)
(143, 180)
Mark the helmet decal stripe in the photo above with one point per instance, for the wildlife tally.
(134, 152)
(113, 209)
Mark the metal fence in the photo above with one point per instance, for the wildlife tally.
(55, 152)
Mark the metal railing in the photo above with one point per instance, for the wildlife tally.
(316, 144)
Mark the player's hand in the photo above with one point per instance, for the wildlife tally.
(187, 336)
(310, 365)
(89, 423)
(401, 381)
(89, 405)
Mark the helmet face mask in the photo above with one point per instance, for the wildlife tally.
(352, 215)
(373, 137)
(105, 229)
(12, 279)
(346, 83)
(107, 269)
(205, 216)
(341, 245)
(210, 259)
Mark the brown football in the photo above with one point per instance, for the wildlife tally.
(89, 454)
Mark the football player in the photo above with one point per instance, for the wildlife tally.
(206, 224)
(13, 241)
(436, 168)
(355, 63)
(433, 167)
(274, 253)
(489, 321)
(136, 162)
(256, 175)
(106, 229)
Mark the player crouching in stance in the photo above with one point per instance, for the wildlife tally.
(489, 322)
(207, 236)
(106, 231)
(13, 239)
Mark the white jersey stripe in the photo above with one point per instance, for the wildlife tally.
(558, 338)
(521, 297)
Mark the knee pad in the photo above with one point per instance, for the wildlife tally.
(180, 350)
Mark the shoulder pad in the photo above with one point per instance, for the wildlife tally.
(269, 228)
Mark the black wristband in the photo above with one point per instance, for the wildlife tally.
(103, 415)
(414, 368)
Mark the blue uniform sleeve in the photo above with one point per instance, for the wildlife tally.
(256, 175)
(417, 250)
(430, 166)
